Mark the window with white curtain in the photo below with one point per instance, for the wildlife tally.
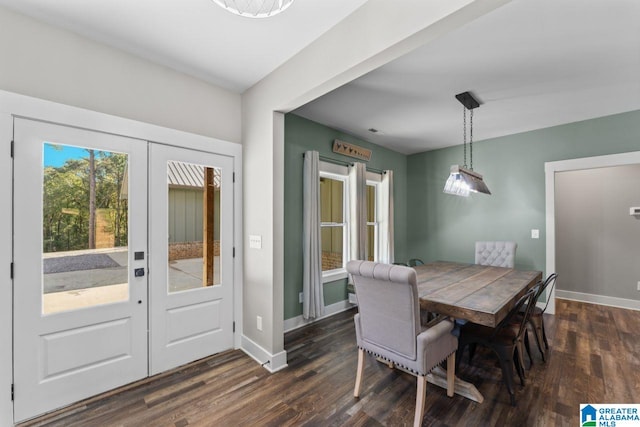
(334, 218)
(333, 222)
(373, 229)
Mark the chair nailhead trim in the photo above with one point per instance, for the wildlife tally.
(374, 354)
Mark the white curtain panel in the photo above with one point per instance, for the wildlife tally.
(385, 210)
(312, 289)
(358, 211)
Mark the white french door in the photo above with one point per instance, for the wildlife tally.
(192, 292)
(80, 314)
(149, 289)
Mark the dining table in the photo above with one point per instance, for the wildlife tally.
(470, 292)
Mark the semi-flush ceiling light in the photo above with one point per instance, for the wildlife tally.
(254, 8)
(463, 180)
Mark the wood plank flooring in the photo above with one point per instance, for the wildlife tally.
(594, 358)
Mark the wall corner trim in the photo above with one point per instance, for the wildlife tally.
(271, 362)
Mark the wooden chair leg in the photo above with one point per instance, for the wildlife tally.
(421, 396)
(451, 373)
(360, 369)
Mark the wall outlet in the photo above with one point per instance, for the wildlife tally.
(535, 234)
(255, 242)
(259, 323)
(301, 295)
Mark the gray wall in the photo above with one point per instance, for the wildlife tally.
(597, 241)
(58, 65)
(445, 227)
(302, 135)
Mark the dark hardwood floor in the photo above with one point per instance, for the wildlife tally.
(594, 358)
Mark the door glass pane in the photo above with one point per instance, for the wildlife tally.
(194, 226)
(84, 227)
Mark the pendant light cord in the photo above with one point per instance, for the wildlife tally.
(471, 139)
(464, 133)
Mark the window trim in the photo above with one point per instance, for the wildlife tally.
(375, 180)
(341, 173)
(376, 222)
(338, 173)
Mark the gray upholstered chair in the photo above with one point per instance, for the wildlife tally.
(497, 254)
(388, 326)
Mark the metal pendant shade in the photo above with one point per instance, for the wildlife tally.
(254, 8)
(464, 180)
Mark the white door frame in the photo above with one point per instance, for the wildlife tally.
(550, 169)
(16, 105)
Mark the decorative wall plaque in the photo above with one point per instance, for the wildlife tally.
(351, 150)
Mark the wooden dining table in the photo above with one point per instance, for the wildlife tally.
(476, 293)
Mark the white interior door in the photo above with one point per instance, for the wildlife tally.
(191, 255)
(80, 311)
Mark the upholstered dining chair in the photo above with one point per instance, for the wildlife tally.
(496, 254)
(505, 340)
(388, 327)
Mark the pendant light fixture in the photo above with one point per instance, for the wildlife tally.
(254, 8)
(462, 179)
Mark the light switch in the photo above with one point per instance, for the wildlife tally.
(535, 234)
(255, 242)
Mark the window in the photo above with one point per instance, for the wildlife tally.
(372, 220)
(333, 218)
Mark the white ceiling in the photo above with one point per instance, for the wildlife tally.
(196, 37)
(532, 64)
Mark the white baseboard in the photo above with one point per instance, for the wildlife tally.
(329, 310)
(599, 299)
(271, 362)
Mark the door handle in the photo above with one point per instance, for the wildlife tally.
(138, 272)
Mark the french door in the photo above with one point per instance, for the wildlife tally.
(191, 293)
(122, 261)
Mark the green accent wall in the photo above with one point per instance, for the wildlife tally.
(302, 135)
(446, 227)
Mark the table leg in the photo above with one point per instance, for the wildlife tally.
(439, 377)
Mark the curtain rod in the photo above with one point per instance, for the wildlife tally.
(347, 164)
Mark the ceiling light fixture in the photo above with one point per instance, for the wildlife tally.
(463, 180)
(254, 8)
